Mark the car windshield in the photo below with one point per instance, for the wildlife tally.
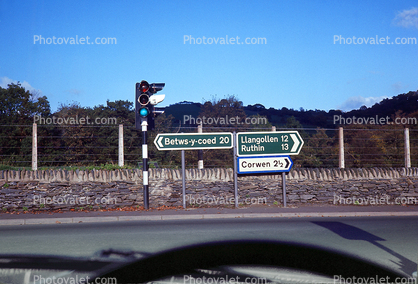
(296, 135)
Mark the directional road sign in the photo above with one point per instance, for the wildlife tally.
(193, 141)
(269, 143)
(264, 164)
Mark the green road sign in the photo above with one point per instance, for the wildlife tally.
(193, 141)
(269, 143)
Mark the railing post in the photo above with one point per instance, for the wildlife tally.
(341, 156)
(34, 147)
(407, 149)
(200, 152)
(120, 151)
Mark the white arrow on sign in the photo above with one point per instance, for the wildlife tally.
(159, 141)
(296, 142)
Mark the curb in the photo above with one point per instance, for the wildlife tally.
(74, 220)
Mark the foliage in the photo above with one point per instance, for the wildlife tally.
(17, 109)
(88, 143)
(319, 150)
(366, 146)
(7, 167)
(221, 114)
(183, 113)
(170, 159)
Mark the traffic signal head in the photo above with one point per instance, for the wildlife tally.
(145, 101)
(156, 87)
(142, 97)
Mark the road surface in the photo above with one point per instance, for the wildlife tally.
(392, 241)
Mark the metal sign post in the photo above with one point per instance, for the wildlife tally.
(183, 177)
(284, 188)
(235, 170)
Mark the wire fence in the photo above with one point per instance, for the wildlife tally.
(82, 146)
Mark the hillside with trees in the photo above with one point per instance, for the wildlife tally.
(82, 144)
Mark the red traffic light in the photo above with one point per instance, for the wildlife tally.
(144, 86)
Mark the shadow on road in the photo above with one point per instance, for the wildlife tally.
(353, 233)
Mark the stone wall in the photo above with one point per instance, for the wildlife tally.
(65, 190)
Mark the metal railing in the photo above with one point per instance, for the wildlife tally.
(38, 146)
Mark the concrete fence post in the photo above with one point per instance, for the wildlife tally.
(407, 149)
(341, 140)
(120, 150)
(34, 147)
(200, 152)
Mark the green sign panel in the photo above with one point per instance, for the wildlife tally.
(193, 141)
(269, 143)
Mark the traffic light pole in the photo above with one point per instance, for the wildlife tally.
(144, 125)
(145, 99)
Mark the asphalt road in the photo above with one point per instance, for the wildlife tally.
(391, 241)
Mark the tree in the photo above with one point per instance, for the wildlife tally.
(220, 115)
(77, 135)
(319, 151)
(169, 159)
(18, 108)
(259, 122)
(225, 113)
(373, 146)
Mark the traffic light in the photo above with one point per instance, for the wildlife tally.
(145, 99)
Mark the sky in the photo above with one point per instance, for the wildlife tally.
(296, 54)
